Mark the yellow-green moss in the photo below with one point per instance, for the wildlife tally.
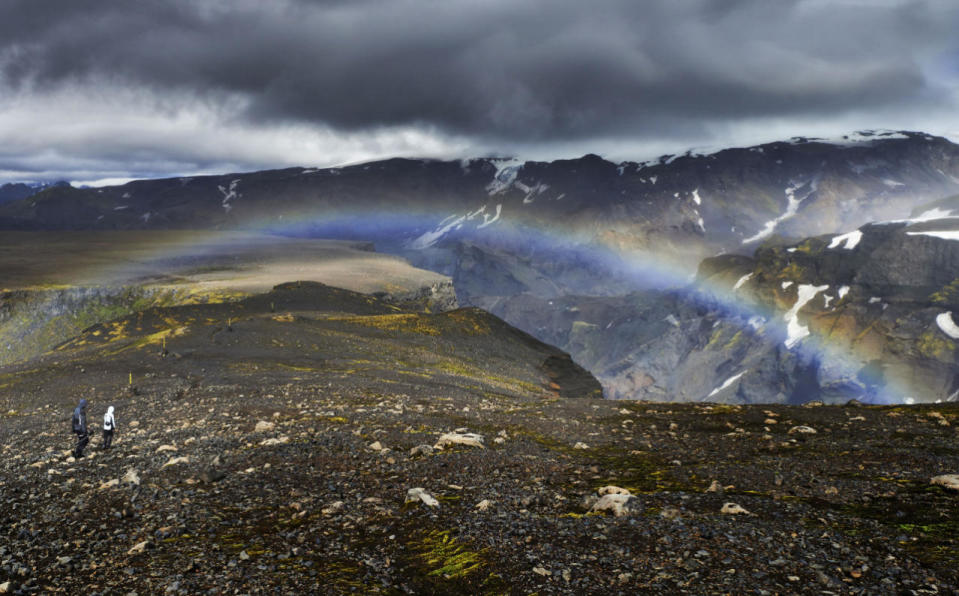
(948, 294)
(931, 344)
(445, 556)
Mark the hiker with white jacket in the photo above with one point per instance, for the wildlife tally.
(109, 425)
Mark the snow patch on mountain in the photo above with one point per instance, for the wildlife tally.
(848, 240)
(531, 191)
(489, 219)
(795, 331)
(726, 384)
(430, 238)
(506, 172)
(742, 280)
(229, 194)
(471, 215)
(792, 206)
(947, 325)
(943, 234)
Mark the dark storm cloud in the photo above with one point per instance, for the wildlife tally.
(534, 70)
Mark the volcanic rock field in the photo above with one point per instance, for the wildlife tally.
(275, 445)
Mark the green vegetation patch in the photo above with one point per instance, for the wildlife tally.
(947, 295)
(445, 556)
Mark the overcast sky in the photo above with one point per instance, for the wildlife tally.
(93, 89)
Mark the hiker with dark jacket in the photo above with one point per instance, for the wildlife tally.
(80, 428)
(109, 425)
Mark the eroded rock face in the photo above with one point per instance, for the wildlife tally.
(867, 315)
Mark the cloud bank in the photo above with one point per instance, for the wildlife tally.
(112, 88)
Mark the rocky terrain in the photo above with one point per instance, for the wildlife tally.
(313, 437)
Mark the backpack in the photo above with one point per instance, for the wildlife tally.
(76, 421)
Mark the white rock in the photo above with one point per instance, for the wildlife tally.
(138, 548)
(263, 426)
(483, 505)
(580, 445)
(734, 509)
(456, 438)
(163, 448)
(950, 481)
(421, 450)
(275, 441)
(332, 508)
(802, 430)
(4, 587)
(542, 571)
(111, 484)
(376, 446)
(613, 490)
(613, 502)
(420, 494)
(131, 477)
(175, 460)
(715, 487)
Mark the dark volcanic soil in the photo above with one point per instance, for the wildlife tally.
(343, 388)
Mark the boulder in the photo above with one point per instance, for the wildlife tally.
(949, 481)
(455, 438)
(131, 477)
(263, 426)
(174, 461)
(734, 509)
(613, 490)
(421, 450)
(332, 508)
(420, 494)
(615, 502)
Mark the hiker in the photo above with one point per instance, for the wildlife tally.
(80, 428)
(109, 425)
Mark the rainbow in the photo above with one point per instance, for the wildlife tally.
(633, 269)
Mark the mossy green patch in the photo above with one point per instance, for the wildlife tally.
(451, 559)
(947, 295)
(932, 344)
